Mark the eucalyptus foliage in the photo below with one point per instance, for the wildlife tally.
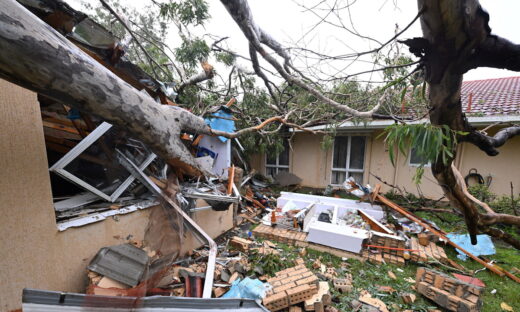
(431, 143)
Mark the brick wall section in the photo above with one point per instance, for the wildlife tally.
(448, 292)
(290, 286)
(280, 235)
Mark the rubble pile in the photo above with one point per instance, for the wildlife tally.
(252, 260)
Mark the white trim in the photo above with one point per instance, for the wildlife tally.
(59, 166)
(277, 165)
(96, 217)
(381, 124)
(415, 165)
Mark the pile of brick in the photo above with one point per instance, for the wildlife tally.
(240, 243)
(424, 253)
(393, 251)
(448, 292)
(290, 287)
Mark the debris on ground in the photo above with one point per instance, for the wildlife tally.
(268, 255)
(448, 292)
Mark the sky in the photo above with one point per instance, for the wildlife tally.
(292, 25)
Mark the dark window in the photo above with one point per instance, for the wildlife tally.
(348, 158)
(277, 163)
(416, 159)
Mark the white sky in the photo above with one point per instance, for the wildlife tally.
(287, 22)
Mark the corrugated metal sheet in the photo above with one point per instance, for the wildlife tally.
(51, 301)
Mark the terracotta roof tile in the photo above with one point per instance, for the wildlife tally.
(499, 96)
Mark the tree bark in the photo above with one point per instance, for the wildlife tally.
(456, 38)
(35, 56)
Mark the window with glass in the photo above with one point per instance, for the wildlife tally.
(348, 159)
(275, 164)
(416, 159)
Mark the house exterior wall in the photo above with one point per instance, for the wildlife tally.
(34, 254)
(503, 168)
(313, 165)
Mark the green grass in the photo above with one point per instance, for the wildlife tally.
(369, 277)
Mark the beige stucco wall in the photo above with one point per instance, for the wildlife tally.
(503, 168)
(33, 253)
(400, 175)
(313, 164)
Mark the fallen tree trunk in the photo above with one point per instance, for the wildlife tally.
(35, 56)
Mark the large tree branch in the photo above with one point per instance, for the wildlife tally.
(496, 52)
(38, 58)
(489, 144)
(241, 13)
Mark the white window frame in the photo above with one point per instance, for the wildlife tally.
(415, 164)
(277, 166)
(347, 164)
(59, 166)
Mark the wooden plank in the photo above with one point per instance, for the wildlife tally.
(440, 234)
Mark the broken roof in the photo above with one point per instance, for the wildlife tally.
(97, 42)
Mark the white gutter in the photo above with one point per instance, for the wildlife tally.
(381, 124)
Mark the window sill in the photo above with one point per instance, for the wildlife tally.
(418, 165)
(96, 217)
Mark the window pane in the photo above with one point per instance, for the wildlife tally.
(283, 170)
(283, 157)
(338, 177)
(270, 171)
(270, 159)
(358, 177)
(416, 159)
(339, 159)
(357, 152)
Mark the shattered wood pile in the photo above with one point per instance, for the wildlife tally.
(448, 292)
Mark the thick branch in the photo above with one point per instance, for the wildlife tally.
(206, 74)
(241, 13)
(497, 52)
(38, 58)
(489, 143)
(280, 119)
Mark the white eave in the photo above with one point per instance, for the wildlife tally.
(381, 124)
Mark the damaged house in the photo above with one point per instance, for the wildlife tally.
(65, 192)
(359, 149)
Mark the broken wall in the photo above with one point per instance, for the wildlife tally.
(34, 253)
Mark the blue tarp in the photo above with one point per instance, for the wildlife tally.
(247, 288)
(483, 247)
(225, 123)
